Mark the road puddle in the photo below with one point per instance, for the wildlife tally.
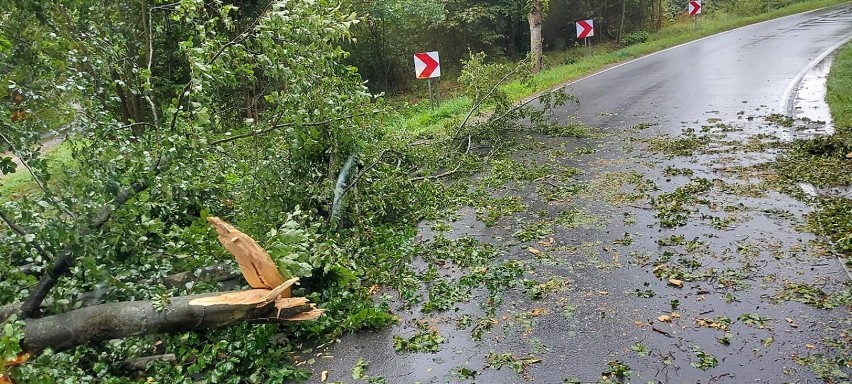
(813, 191)
(809, 106)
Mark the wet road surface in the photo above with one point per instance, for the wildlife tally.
(668, 254)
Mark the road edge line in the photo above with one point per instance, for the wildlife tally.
(787, 102)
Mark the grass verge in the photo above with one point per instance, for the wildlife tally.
(21, 182)
(835, 215)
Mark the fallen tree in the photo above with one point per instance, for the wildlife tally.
(268, 301)
(215, 273)
(118, 320)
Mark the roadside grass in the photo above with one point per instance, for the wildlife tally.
(20, 183)
(575, 63)
(834, 217)
(840, 92)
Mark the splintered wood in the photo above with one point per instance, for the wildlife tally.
(259, 297)
(261, 273)
(255, 264)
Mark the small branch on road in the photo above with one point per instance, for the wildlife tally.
(479, 102)
(435, 177)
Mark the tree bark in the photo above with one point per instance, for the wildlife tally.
(135, 318)
(216, 273)
(623, 15)
(535, 18)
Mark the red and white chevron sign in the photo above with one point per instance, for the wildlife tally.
(694, 7)
(585, 28)
(427, 65)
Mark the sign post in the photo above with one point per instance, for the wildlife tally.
(694, 9)
(427, 66)
(585, 30)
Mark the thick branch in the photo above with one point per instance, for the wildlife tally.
(216, 273)
(31, 305)
(135, 318)
(122, 197)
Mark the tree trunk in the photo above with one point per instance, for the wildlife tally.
(512, 38)
(134, 318)
(623, 15)
(216, 273)
(535, 19)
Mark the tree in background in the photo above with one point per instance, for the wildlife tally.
(537, 8)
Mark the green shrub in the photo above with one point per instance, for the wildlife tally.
(637, 37)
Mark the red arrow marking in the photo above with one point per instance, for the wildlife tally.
(694, 7)
(586, 29)
(431, 65)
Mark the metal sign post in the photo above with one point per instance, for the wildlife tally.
(431, 99)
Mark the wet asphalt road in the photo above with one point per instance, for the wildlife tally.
(749, 67)
(737, 78)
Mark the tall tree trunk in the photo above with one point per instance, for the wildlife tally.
(511, 36)
(535, 18)
(623, 15)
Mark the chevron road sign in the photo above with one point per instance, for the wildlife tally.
(694, 7)
(585, 28)
(427, 65)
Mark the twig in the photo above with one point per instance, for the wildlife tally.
(479, 102)
(258, 132)
(141, 363)
(435, 177)
(21, 231)
(131, 125)
(527, 102)
(276, 126)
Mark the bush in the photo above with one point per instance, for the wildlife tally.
(636, 38)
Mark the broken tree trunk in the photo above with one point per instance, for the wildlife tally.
(135, 318)
(269, 301)
(216, 273)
